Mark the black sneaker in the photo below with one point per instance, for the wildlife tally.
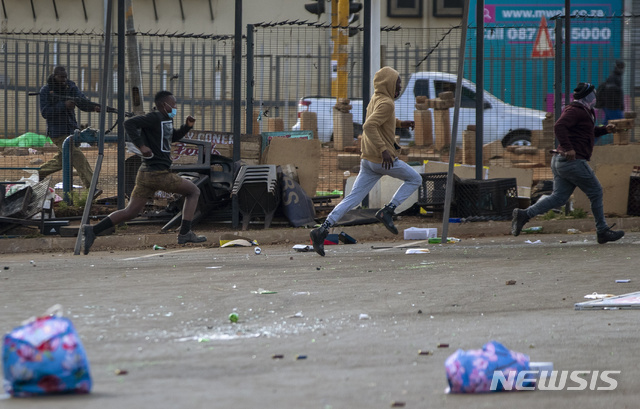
(190, 237)
(385, 215)
(317, 238)
(89, 237)
(518, 221)
(610, 235)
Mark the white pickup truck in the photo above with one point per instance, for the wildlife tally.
(504, 122)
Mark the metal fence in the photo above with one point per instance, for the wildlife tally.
(292, 61)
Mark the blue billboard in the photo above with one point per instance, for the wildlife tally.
(519, 42)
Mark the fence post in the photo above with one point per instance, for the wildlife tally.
(249, 79)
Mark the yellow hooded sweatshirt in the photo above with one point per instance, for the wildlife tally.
(380, 125)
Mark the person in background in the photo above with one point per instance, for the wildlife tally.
(379, 157)
(610, 98)
(58, 101)
(152, 134)
(575, 131)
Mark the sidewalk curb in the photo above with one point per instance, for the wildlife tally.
(289, 235)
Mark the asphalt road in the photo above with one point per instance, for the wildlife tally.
(359, 316)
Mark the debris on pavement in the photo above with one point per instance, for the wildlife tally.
(258, 250)
(233, 317)
(623, 281)
(534, 229)
(156, 247)
(120, 372)
(364, 317)
(533, 242)
(277, 356)
(596, 296)
(303, 248)
(397, 404)
(421, 352)
(263, 291)
(443, 345)
(230, 237)
(417, 251)
(510, 282)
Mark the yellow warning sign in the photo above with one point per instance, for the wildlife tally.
(542, 46)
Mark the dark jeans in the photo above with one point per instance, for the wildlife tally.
(567, 175)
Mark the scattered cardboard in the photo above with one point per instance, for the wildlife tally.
(302, 153)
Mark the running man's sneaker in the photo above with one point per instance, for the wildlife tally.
(610, 235)
(190, 237)
(518, 221)
(385, 215)
(317, 238)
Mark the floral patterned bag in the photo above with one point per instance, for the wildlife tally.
(45, 356)
(472, 371)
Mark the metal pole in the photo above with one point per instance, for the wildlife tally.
(121, 102)
(249, 80)
(567, 50)
(456, 117)
(558, 70)
(106, 71)
(366, 60)
(237, 100)
(479, 86)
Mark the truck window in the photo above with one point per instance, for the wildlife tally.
(421, 88)
(468, 99)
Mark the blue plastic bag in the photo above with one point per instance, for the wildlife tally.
(43, 357)
(472, 371)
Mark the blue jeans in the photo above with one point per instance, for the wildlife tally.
(567, 175)
(369, 175)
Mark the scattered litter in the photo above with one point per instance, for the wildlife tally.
(233, 317)
(120, 372)
(300, 357)
(421, 352)
(396, 404)
(302, 293)
(346, 239)
(6, 267)
(297, 315)
(596, 296)
(277, 356)
(237, 243)
(535, 229)
(417, 251)
(533, 242)
(364, 317)
(623, 281)
(443, 345)
(510, 282)
(229, 237)
(573, 231)
(156, 247)
(215, 267)
(418, 233)
(438, 240)
(258, 250)
(474, 371)
(263, 291)
(303, 248)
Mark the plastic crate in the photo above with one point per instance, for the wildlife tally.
(431, 192)
(490, 197)
(633, 203)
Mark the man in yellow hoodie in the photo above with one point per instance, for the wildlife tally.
(379, 157)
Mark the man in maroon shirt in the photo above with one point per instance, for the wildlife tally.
(575, 131)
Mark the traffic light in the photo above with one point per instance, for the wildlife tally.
(354, 9)
(317, 7)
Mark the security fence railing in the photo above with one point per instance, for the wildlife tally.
(293, 70)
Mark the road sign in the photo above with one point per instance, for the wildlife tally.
(542, 47)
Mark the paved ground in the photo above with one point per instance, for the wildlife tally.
(163, 317)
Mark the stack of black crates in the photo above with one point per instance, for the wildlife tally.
(491, 198)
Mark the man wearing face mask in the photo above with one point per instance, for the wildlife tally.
(575, 131)
(153, 134)
(379, 157)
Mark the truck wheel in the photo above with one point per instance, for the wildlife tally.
(522, 138)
